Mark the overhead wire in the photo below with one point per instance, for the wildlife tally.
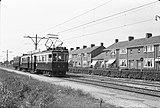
(110, 16)
(88, 24)
(109, 29)
(73, 18)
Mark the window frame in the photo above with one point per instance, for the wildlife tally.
(54, 57)
(148, 48)
(121, 62)
(149, 62)
(49, 58)
(139, 50)
(63, 57)
(123, 51)
(131, 51)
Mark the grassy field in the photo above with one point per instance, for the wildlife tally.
(19, 91)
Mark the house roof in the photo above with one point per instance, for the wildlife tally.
(101, 56)
(135, 43)
(84, 50)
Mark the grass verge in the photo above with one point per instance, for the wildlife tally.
(20, 91)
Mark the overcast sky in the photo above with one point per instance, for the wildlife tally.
(21, 18)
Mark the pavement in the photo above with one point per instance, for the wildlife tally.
(110, 96)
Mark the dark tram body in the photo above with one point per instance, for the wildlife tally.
(16, 62)
(53, 62)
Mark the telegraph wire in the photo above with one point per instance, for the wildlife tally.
(118, 27)
(76, 16)
(110, 16)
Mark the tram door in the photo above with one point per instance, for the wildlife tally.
(35, 59)
(28, 67)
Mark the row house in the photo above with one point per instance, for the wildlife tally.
(84, 57)
(134, 53)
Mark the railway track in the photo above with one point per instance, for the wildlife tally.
(151, 89)
(141, 88)
(129, 82)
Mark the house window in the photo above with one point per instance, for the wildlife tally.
(149, 48)
(123, 51)
(123, 63)
(130, 64)
(139, 50)
(149, 62)
(145, 49)
(130, 51)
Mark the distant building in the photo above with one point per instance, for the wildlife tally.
(134, 53)
(84, 57)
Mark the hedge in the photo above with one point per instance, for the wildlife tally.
(124, 73)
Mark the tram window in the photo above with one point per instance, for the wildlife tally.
(45, 57)
(54, 57)
(23, 59)
(39, 58)
(66, 57)
(32, 58)
(50, 57)
(42, 58)
(61, 57)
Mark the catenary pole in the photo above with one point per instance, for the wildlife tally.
(36, 41)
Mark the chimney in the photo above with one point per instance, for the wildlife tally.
(148, 35)
(84, 46)
(71, 49)
(101, 43)
(92, 45)
(116, 40)
(77, 48)
(130, 38)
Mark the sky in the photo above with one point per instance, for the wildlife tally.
(65, 18)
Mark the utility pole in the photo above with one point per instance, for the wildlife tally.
(36, 41)
(7, 55)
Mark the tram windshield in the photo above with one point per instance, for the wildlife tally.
(62, 57)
